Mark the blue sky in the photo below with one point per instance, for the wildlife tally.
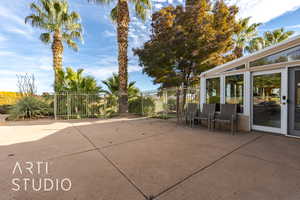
(21, 51)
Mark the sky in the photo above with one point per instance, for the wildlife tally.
(22, 52)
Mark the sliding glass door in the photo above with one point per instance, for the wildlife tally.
(267, 107)
(294, 101)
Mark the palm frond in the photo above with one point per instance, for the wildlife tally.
(72, 44)
(45, 38)
(114, 13)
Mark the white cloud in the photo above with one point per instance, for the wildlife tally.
(19, 31)
(109, 33)
(265, 10)
(2, 38)
(105, 72)
(293, 26)
(158, 6)
(7, 53)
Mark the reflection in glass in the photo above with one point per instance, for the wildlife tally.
(234, 93)
(266, 100)
(236, 68)
(297, 95)
(213, 91)
(283, 56)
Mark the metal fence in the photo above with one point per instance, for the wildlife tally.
(164, 103)
(79, 105)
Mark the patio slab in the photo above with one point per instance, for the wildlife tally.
(275, 148)
(50, 143)
(112, 133)
(91, 176)
(240, 177)
(151, 157)
(158, 162)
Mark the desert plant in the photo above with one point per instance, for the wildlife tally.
(4, 109)
(30, 107)
(26, 84)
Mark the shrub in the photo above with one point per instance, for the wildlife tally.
(30, 107)
(4, 109)
(135, 105)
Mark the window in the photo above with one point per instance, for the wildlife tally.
(234, 91)
(213, 92)
(283, 56)
(236, 68)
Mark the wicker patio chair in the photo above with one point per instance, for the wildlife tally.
(208, 111)
(189, 113)
(227, 115)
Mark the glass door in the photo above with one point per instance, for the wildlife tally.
(294, 101)
(266, 101)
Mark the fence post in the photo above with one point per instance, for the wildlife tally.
(167, 106)
(142, 102)
(55, 106)
(105, 104)
(68, 105)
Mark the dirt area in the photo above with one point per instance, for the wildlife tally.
(133, 159)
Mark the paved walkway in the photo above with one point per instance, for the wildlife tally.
(136, 159)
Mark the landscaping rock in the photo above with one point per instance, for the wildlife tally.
(3, 118)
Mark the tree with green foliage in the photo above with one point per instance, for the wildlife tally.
(244, 35)
(61, 25)
(74, 81)
(120, 14)
(186, 41)
(269, 38)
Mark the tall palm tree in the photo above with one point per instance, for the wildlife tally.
(245, 34)
(120, 14)
(61, 25)
(269, 38)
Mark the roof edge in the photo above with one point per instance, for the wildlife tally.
(251, 55)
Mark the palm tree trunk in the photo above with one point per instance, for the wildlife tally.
(57, 51)
(122, 29)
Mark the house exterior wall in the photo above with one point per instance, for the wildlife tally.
(245, 119)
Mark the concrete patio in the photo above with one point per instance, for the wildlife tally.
(133, 159)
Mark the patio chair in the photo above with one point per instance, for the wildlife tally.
(189, 113)
(208, 111)
(227, 115)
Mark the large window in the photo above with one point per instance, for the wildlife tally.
(213, 91)
(283, 56)
(234, 91)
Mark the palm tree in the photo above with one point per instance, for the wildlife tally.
(60, 25)
(120, 14)
(269, 38)
(276, 36)
(112, 92)
(74, 81)
(244, 35)
(113, 83)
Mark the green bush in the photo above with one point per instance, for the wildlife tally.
(135, 105)
(4, 109)
(30, 107)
